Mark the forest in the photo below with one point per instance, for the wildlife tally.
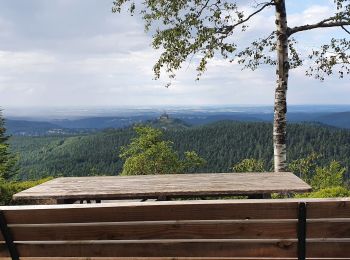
(221, 144)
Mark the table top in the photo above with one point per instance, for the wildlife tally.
(171, 185)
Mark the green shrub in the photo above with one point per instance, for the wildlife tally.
(305, 168)
(332, 192)
(8, 189)
(328, 176)
(149, 153)
(249, 165)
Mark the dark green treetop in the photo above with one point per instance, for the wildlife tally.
(148, 153)
(7, 159)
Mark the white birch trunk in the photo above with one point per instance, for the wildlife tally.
(280, 107)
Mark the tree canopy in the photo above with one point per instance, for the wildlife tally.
(185, 28)
(7, 159)
(204, 29)
(249, 165)
(148, 153)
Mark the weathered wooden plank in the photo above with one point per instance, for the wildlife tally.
(281, 249)
(179, 202)
(328, 209)
(174, 258)
(159, 258)
(208, 248)
(152, 212)
(157, 230)
(3, 250)
(172, 185)
(333, 250)
(328, 229)
(177, 210)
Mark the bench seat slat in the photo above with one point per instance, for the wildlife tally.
(171, 258)
(169, 249)
(328, 249)
(328, 209)
(324, 229)
(317, 250)
(156, 230)
(204, 229)
(328, 229)
(152, 212)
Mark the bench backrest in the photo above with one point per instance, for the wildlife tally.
(212, 229)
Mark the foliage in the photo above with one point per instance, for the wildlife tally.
(206, 29)
(332, 192)
(221, 144)
(7, 160)
(209, 28)
(8, 189)
(305, 168)
(192, 162)
(326, 181)
(249, 165)
(148, 153)
(328, 176)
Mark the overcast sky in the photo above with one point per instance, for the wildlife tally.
(77, 53)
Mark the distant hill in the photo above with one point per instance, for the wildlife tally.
(167, 123)
(34, 128)
(173, 121)
(37, 128)
(341, 119)
(203, 119)
(101, 122)
(222, 144)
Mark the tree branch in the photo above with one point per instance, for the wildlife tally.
(229, 28)
(343, 27)
(323, 24)
(202, 9)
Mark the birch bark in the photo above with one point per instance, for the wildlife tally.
(280, 107)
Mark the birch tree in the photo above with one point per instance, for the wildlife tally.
(184, 29)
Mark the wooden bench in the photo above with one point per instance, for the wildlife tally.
(220, 229)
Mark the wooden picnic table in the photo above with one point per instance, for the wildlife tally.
(163, 187)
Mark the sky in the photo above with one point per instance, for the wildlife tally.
(71, 53)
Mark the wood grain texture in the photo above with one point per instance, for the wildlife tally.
(167, 258)
(156, 230)
(176, 210)
(171, 185)
(328, 209)
(218, 248)
(218, 210)
(328, 249)
(160, 258)
(329, 229)
(177, 229)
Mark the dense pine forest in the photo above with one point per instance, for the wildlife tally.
(221, 144)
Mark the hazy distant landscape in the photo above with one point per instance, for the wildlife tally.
(83, 142)
(44, 121)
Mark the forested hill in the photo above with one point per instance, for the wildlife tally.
(222, 144)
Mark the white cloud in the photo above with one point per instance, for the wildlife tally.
(24, 61)
(65, 53)
(313, 14)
